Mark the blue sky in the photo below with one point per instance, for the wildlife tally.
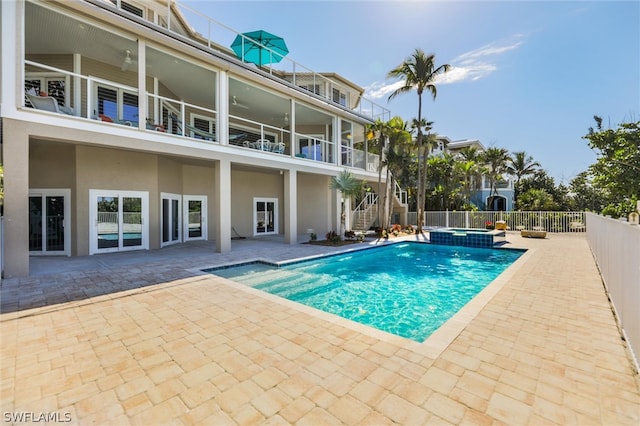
(525, 75)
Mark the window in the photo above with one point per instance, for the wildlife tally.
(48, 84)
(265, 216)
(49, 221)
(195, 221)
(171, 219)
(128, 7)
(118, 105)
(339, 97)
(119, 220)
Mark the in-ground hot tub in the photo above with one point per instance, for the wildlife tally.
(467, 237)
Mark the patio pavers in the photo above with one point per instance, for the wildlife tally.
(144, 339)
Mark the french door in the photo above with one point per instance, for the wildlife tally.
(171, 219)
(119, 221)
(49, 218)
(195, 220)
(265, 216)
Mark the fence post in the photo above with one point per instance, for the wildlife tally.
(446, 218)
(466, 219)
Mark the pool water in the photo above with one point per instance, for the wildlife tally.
(408, 289)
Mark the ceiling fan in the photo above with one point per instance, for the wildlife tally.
(235, 103)
(127, 61)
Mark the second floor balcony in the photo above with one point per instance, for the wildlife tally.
(92, 72)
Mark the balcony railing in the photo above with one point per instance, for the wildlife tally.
(103, 100)
(218, 37)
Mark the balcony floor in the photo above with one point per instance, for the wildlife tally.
(143, 338)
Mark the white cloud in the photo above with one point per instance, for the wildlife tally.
(379, 90)
(469, 66)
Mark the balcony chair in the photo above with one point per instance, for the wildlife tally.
(47, 103)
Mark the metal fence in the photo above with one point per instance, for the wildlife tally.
(616, 246)
(548, 220)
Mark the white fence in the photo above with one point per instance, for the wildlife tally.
(1, 247)
(616, 248)
(516, 220)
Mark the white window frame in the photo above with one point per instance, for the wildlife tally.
(65, 193)
(171, 197)
(93, 219)
(257, 200)
(119, 101)
(185, 215)
(48, 76)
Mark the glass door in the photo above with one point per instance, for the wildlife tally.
(265, 216)
(171, 219)
(195, 221)
(120, 221)
(49, 230)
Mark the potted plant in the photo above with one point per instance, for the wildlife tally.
(489, 225)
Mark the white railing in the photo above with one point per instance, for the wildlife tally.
(516, 220)
(209, 30)
(366, 210)
(616, 246)
(401, 194)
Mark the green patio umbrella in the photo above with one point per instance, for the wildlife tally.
(259, 47)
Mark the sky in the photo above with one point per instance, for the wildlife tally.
(525, 76)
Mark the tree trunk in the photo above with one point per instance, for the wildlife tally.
(420, 194)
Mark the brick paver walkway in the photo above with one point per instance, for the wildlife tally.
(145, 340)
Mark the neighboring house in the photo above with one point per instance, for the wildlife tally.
(125, 129)
(481, 194)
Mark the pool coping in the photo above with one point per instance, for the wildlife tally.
(432, 347)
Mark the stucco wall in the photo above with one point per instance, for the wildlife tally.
(200, 180)
(110, 169)
(245, 185)
(314, 204)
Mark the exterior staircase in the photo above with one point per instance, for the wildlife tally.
(365, 214)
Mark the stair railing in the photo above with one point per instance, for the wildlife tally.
(401, 194)
(365, 210)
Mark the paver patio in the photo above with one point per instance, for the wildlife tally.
(143, 338)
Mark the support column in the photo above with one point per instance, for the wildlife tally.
(15, 151)
(291, 206)
(143, 102)
(222, 201)
(337, 203)
(222, 122)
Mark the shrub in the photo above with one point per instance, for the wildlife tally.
(333, 236)
(349, 234)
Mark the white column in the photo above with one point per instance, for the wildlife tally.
(222, 202)
(12, 84)
(77, 85)
(222, 127)
(142, 86)
(291, 206)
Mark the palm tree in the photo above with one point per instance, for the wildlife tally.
(471, 168)
(349, 187)
(496, 161)
(380, 128)
(399, 137)
(419, 72)
(520, 164)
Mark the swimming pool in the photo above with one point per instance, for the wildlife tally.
(408, 289)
